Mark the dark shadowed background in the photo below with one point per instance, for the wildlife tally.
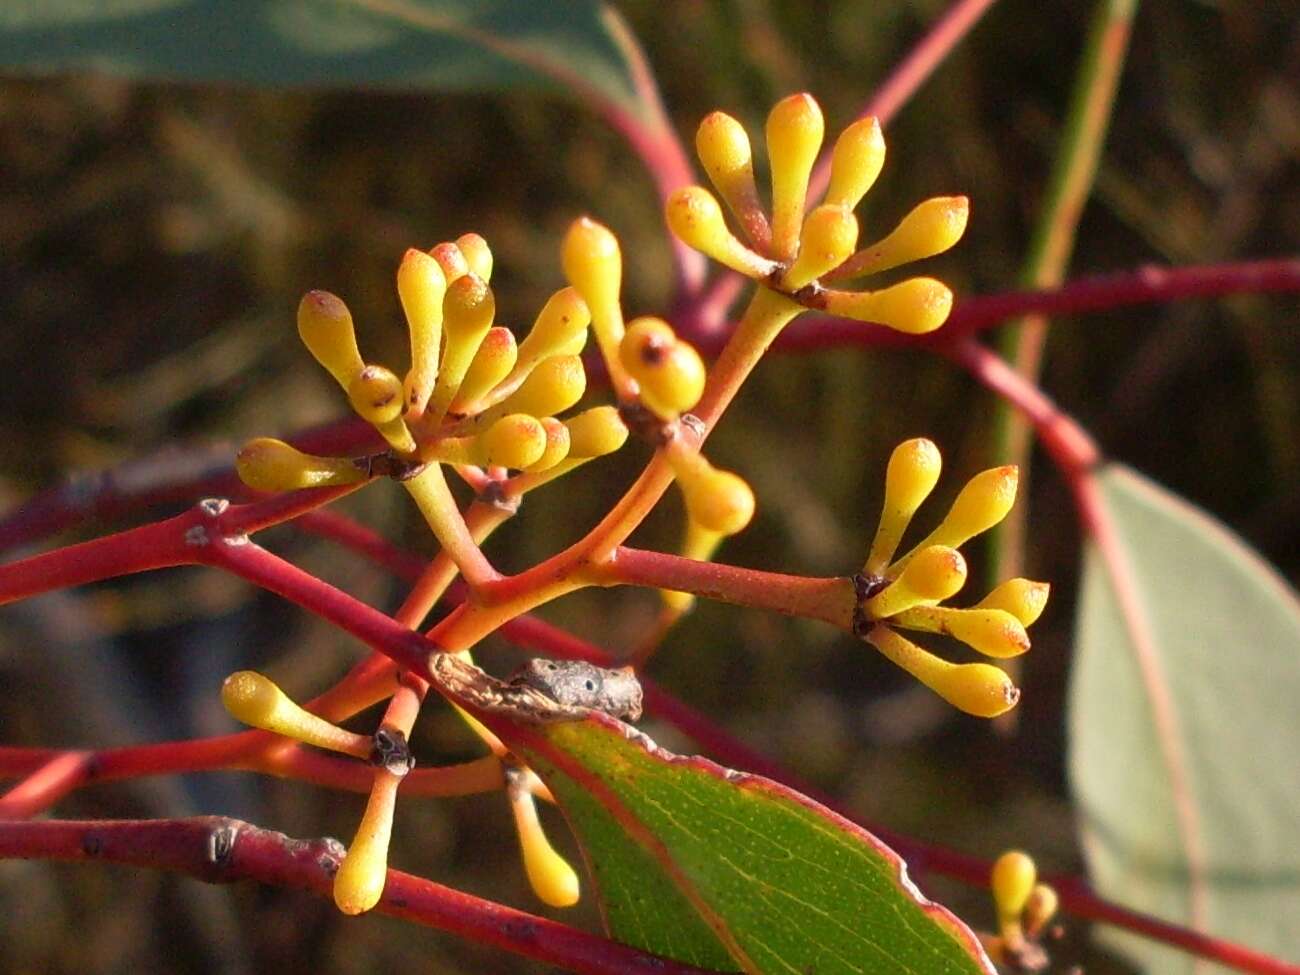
(155, 240)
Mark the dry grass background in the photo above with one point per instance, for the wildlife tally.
(154, 241)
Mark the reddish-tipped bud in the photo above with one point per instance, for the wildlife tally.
(325, 327)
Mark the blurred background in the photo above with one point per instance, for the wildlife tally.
(155, 240)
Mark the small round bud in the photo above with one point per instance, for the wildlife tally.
(829, 235)
(593, 263)
(596, 432)
(552, 387)
(376, 395)
(325, 327)
(361, 876)
(477, 254)
(934, 573)
(421, 286)
(553, 881)
(1022, 598)
(718, 501)
(1012, 880)
(1040, 909)
(856, 161)
(914, 306)
(794, 135)
(258, 702)
(912, 473)
(931, 228)
(979, 689)
(993, 632)
(562, 321)
(670, 372)
(467, 313)
(558, 443)
(492, 363)
(514, 441)
(695, 217)
(724, 151)
(266, 464)
(981, 504)
(451, 260)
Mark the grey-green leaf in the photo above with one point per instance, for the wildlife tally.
(447, 44)
(1200, 816)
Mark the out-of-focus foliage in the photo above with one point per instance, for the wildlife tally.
(156, 240)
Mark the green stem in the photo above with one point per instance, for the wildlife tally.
(1053, 242)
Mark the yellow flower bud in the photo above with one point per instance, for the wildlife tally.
(931, 228)
(560, 324)
(477, 254)
(552, 387)
(912, 473)
(724, 151)
(670, 372)
(593, 264)
(558, 443)
(266, 464)
(467, 313)
(258, 702)
(1012, 881)
(718, 501)
(421, 286)
(981, 504)
(492, 363)
(515, 441)
(325, 327)
(596, 432)
(934, 573)
(376, 395)
(979, 689)
(451, 260)
(993, 632)
(829, 235)
(1040, 909)
(695, 217)
(856, 161)
(1022, 598)
(914, 306)
(359, 883)
(794, 135)
(551, 877)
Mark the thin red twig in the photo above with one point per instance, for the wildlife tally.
(218, 850)
(1098, 293)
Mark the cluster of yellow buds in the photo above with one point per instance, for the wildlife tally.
(907, 592)
(472, 397)
(1024, 907)
(651, 367)
(798, 254)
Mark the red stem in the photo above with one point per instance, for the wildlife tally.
(1097, 293)
(218, 850)
(912, 72)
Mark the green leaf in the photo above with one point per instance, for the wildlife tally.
(731, 871)
(446, 44)
(1186, 770)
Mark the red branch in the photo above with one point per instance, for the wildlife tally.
(1102, 292)
(218, 850)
